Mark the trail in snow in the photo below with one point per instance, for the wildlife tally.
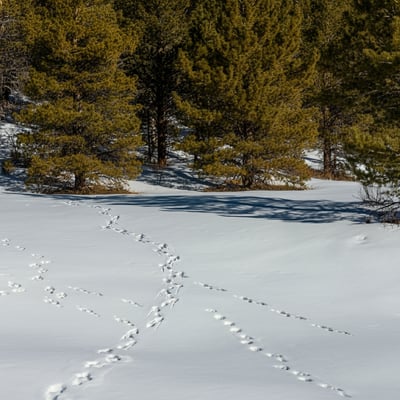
(167, 297)
(251, 344)
(272, 309)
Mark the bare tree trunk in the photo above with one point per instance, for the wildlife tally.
(80, 181)
(162, 132)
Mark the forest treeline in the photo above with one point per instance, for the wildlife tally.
(255, 83)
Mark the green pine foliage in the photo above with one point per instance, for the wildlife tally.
(84, 131)
(374, 142)
(13, 57)
(326, 28)
(244, 84)
(164, 30)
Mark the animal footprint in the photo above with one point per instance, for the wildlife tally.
(131, 302)
(84, 291)
(302, 376)
(210, 287)
(124, 321)
(155, 323)
(104, 351)
(282, 367)
(126, 345)
(162, 248)
(361, 239)
(81, 378)
(329, 329)
(94, 364)
(130, 334)
(88, 311)
(278, 357)
(112, 358)
(255, 349)
(141, 237)
(15, 287)
(170, 302)
(48, 300)
(5, 242)
(53, 392)
(49, 289)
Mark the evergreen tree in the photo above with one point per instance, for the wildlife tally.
(245, 80)
(326, 28)
(84, 128)
(13, 57)
(164, 29)
(374, 143)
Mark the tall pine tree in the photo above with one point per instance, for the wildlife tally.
(245, 80)
(84, 129)
(374, 143)
(325, 28)
(164, 30)
(13, 56)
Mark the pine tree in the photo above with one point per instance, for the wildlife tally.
(84, 128)
(164, 29)
(325, 28)
(245, 80)
(374, 143)
(13, 56)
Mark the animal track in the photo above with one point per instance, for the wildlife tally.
(327, 328)
(81, 378)
(274, 310)
(167, 297)
(360, 239)
(131, 334)
(49, 289)
(16, 287)
(126, 345)
(5, 242)
(53, 392)
(290, 315)
(53, 302)
(88, 311)
(124, 321)
(249, 342)
(103, 362)
(84, 291)
(39, 264)
(131, 302)
(210, 287)
(104, 351)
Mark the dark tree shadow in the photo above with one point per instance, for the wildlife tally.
(272, 208)
(228, 205)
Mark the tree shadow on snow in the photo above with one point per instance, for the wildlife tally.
(13, 183)
(307, 211)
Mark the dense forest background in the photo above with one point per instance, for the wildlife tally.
(104, 86)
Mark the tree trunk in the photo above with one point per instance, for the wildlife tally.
(79, 183)
(162, 134)
(326, 145)
(328, 167)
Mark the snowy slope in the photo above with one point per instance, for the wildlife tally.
(173, 294)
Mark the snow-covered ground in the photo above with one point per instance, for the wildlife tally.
(182, 295)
